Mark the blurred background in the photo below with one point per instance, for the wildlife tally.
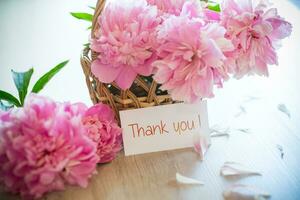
(41, 34)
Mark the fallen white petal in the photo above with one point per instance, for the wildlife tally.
(237, 169)
(251, 98)
(284, 109)
(245, 192)
(244, 130)
(216, 131)
(219, 135)
(186, 180)
(201, 144)
(280, 148)
(242, 111)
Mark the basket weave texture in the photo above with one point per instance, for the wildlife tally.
(143, 93)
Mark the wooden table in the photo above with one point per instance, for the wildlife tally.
(250, 105)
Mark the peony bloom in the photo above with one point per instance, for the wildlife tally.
(43, 146)
(191, 57)
(103, 129)
(125, 42)
(255, 30)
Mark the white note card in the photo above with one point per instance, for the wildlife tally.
(161, 128)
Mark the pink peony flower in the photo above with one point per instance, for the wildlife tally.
(255, 30)
(103, 129)
(125, 42)
(192, 57)
(43, 146)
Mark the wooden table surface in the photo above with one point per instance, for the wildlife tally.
(250, 104)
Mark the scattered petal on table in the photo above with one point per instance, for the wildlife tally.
(251, 98)
(245, 192)
(201, 145)
(216, 131)
(242, 110)
(280, 148)
(186, 180)
(284, 109)
(237, 169)
(216, 134)
(244, 130)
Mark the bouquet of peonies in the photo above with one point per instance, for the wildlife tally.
(187, 46)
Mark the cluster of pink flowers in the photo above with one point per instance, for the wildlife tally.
(46, 145)
(185, 46)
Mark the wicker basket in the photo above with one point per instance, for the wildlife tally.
(143, 93)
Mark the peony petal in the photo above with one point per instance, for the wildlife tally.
(191, 9)
(212, 15)
(47, 178)
(213, 56)
(126, 78)
(203, 85)
(251, 98)
(105, 73)
(236, 169)
(146, 69)
(163, 72)
(264, 28)
(244, 130)
(168, 6)
(101, 110)
(280, 148)
(242, 111)
(216, 131)
(284, 109)
(201, 145)
(224, 44)
(186, 180)
(245, 192)
(182, 93)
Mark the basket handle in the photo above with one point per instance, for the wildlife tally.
(99, 7)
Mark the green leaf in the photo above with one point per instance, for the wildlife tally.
(5, 107)
(214, 7)
(22, 80)
(92, 7)
(89, 28)
(40, 84)
(9, 98)
(83, 16)
(86, 45)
